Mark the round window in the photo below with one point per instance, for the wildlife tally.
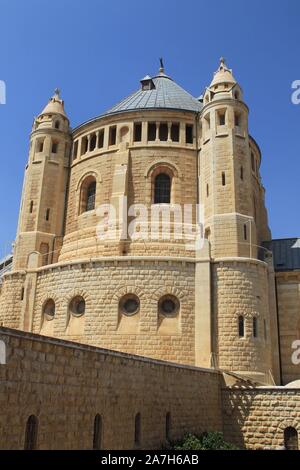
(77, 306)
(168, 306)
(129, 304)
(49, 309)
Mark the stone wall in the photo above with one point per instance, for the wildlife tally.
(288, 294)
(11, 294)
(102, 284)
(256, 418)
(66, 384)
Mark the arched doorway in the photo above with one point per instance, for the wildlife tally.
(291, 438)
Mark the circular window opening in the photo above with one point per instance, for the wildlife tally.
(49, 309)
(168, 306)
(129, 304)
(77, 306)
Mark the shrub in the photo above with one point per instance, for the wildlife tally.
(207, 441)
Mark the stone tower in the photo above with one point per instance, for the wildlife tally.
(230, 186)
(244, 337)
(41, 220)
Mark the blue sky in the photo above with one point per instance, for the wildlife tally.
(97, 50)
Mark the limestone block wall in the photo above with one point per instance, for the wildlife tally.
(240, 288)
(257, 418)
(11, 299)
(288, 294)
(65, 385)
(102, 284)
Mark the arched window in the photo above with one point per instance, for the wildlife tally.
(49, 309)
(97, 437)
(31, 433)
(241, 325)
(77, 306)
(88, 195)
(168, 426)
(137, 429)
(91, 194)
(162, 189)
(57, 124)
(291, 438)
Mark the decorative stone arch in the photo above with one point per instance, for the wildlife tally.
(161, 291)
(124, 290)
(86, 177)
(172, 170)
(286, 423)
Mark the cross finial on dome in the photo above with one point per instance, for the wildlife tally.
(57, 92)
(162, 69)
(222, 60)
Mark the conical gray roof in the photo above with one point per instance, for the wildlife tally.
(165, 94)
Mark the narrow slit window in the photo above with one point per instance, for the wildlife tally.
(31, 433)
(40, 146)
(245, 232)
(241, 326)
(163, 132)
(137, 132)
(255, 327)
(221, 118)
(47, 215)
(31, 207)
(75, 150)
(151, 131)
(223, 179)
(242, 173)
(112, 135)
(175, 132)
(84, 145)
(189, 131)
(97, 437)
(237, 120)
(93, 141)
(54, 148)
(101, 139)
